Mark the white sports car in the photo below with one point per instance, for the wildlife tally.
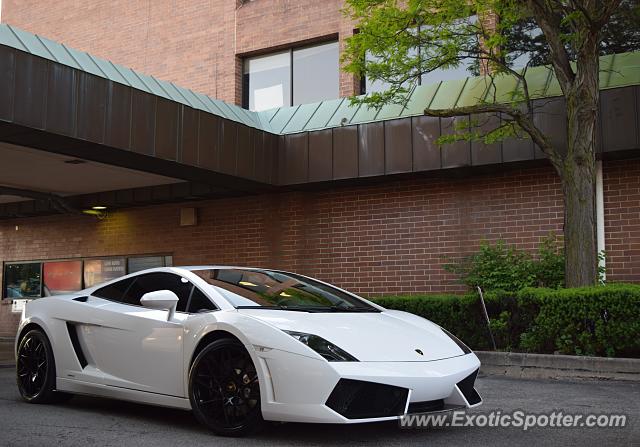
(239, 346)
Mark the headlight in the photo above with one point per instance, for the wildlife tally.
(457, 341)
(326, 349)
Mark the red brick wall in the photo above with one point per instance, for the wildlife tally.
(622, 220)
(385, 238)
(267, 24)
(8, 320)
(191, 42)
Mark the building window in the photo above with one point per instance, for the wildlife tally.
(526, 46)
(97, 271)
(23, 280)
(316, 73)
(464, 70)
(297, 76)
(148, 262)
(35, 279)
(379, 85)
(466, 67)
(267, 81)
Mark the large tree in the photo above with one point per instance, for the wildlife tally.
(400, 40)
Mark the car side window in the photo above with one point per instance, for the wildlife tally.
(114, 291)
(200, 302)
(152, 282)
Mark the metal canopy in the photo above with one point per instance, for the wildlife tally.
(59, 100)
(13, 37)
(616, 71)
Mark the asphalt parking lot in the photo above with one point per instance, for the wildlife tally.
(100, 422)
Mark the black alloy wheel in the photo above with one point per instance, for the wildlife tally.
(36, 370)
(224, 389)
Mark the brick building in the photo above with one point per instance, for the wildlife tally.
(302, 181)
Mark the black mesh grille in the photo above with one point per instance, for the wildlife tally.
(467, 389)
(355, 399)
(426, 406)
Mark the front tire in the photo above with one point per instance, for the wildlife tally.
(224, 389)
(36, 369)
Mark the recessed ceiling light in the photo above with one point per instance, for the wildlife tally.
(75, 161)
(98, 207)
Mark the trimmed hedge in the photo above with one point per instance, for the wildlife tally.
(601, 321)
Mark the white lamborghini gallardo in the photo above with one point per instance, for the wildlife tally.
(239, 346)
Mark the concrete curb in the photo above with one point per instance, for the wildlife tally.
(545, 366)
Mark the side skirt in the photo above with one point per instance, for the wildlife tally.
(91, 389)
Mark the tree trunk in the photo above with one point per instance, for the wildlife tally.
(578, 176)
(579, 225)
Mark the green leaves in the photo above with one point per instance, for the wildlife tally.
(585, 321)
(503, 267)
(395, 43)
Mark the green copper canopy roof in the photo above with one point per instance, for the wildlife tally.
(57, 52)
(618, 70)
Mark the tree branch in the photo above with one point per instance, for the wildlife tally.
(607, 11)
(585, 13)
(523, 120)
(550, 24)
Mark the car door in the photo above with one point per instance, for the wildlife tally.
(136, 347)
(83, 317)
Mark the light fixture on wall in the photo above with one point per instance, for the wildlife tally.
(98, 211)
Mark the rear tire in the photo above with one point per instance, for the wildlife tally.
(224, 390)
(36, 370)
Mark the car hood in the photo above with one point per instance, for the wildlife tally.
(389, 336)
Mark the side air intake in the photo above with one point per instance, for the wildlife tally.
(466, 388)
(75, 342)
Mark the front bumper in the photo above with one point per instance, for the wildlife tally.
(296, 388)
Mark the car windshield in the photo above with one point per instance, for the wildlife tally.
(269, 289)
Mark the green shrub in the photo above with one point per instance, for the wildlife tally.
(502, 267)
(602, 321)
(548, 267)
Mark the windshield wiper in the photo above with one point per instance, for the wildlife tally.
(353, 309)
(313, 309)
(295, 309)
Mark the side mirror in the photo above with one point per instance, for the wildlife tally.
(161, 300)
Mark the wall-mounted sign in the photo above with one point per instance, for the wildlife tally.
(97, 271)
(61, 277)
(18, 305)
